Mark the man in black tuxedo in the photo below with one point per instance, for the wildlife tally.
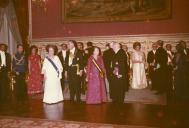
(5, 68)
(128, 65)
(119, 74)
(89, 50)
(74, 70)
(186, 50)
(161, 69)
(170, 53)
(80, 46)
(151, 64)
(62, 57)
(170, 64)
(107, 58)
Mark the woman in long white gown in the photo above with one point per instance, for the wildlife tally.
(138, 65)
(52, 75)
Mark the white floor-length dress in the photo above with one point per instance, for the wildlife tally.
(52, 85)
(139, 76)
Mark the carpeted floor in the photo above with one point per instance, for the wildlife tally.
(144, 96)
(14, 122)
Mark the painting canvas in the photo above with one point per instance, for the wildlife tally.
(114, 10)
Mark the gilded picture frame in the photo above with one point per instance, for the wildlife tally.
(115, 10)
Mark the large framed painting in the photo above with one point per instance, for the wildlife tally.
(115, 10)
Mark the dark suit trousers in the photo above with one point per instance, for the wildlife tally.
(109, 77)
(161, 79)
(4, 85)
(118, 89)
(169, 88)
(74, 84)
(63, 81)
(20, 87)
(151, 76)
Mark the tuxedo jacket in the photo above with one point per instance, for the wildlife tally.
(78, 59)
(119, 60)
(8, 61)
(150, 57)
(107, 58)
(62, 60)
(85, 58)
(161, 57)
(187, 51)
(89, 51)
(128, 59)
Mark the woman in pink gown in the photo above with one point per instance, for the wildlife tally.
(96, 89)
(34, 77)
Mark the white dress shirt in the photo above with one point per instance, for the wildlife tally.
(154, 51)
(3, 58)
(64, 54)
(170, 56)
(185, 52)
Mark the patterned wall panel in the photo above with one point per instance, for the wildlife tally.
(100, 41)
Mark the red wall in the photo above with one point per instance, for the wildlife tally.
(49, 25)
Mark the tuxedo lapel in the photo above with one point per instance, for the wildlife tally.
(75, 53)
(67, 57)
(68, 53)
(153, 54)
(0, 59)
(61, 57)
(8, 60)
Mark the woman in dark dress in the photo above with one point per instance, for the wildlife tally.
(181, 74)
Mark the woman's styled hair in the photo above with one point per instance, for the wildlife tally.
(95, 47)
(74, 43)
(136, 44)
(54, 47)
(33, 47)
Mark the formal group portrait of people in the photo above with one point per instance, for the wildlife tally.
(102, 76)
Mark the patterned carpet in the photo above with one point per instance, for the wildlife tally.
(14, 122)
(144, 96)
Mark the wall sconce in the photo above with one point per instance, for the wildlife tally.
(42, 4)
